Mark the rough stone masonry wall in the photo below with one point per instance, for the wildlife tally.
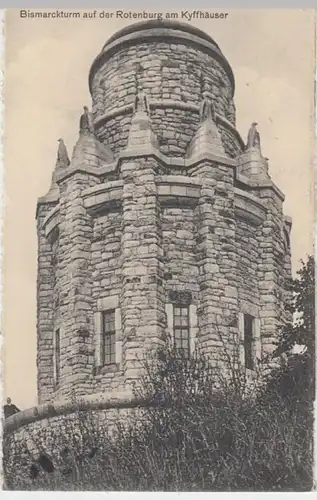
(287, 276)
(142, 299)
(271, 271)
(54, 238)
(247, 248)
(231, 145)
(180, 265)
(45, 307)
(165, 71)
(106, 265)
(216, 259)
(75, 285)
(144, 248)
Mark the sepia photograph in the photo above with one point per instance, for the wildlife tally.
(158, 250)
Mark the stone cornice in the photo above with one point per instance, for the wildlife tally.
(169, 161)
(176, 34)
(45, 200)
(171, 189)
(83, 168)
(102, 196)
(249, 207)
(166, 161)
(250, 197)
(111, 191)
(267, 184)
(51, 220)
(178, 189)
(120, 111)
(178, 179)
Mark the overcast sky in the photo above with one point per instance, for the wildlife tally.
(271, 53)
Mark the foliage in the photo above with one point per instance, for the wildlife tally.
(302, 309)
(199, 432)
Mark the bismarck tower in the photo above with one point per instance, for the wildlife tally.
(162, 220)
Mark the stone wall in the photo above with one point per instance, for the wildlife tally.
(248, 249)
(45, 300)
(143, 300)
(174, 74)
(222, 245)
(74, 425)
(106, 250)
(180, 266)
(155, 217)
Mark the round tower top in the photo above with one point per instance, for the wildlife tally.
(164, 23)
(160, 30)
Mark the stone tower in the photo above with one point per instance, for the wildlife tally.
(161, 220)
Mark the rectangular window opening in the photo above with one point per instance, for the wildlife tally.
(181, 329)
(248, 341)
(108, 347)
(57, 356)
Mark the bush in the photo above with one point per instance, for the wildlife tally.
(201, 431)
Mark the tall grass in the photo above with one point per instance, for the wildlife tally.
(201, 431)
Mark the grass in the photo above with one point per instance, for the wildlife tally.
(201, 432)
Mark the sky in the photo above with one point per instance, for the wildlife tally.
(47, 62)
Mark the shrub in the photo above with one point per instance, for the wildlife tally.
(200, 431)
